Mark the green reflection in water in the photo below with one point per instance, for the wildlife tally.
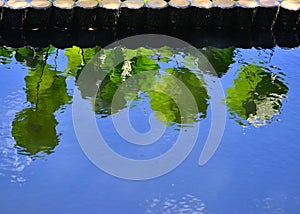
(256, 95)
(78, 58)
(117, 76)
(220, 59)
(165, 104)
(142, 60)
(34, 128)
(5, 55)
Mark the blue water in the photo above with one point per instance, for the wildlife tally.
(254, 170)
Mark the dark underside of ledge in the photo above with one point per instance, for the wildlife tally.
(197, 38)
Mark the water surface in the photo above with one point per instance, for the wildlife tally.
(255, 169)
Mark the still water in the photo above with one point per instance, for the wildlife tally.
(254, 170)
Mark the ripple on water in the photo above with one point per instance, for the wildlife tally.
(278, 205)
(187, 204)
(12, 164)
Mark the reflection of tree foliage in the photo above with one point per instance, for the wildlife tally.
(165, 103)
(34, 127)
(115, 78)
(220, 59)
(34, 132)
(140, 61)
(256, 95)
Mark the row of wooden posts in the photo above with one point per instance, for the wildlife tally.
(93, 14)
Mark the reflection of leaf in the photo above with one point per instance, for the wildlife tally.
(89, 53)
(161, 102)
(78, 58)
(34, 128)
(129, 54)
(30, 57)
(26, 56)
(144, 52)
(166, 51)
(5, 52)
(165, 104)
(5, 55)
(143, 63)
(220, 59)
(75, 60)
(256, 95)
(23, 53)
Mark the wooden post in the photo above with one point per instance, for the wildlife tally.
(133, 14)
(1, 11)
(108, 13)
(157, 14)
(245, 12)
(85, 13)
(62, 15)
(201, 14)
(38, 15)
(179, 13)
(289, 15)
(14, 14)
(223, 14)
(266, 14)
